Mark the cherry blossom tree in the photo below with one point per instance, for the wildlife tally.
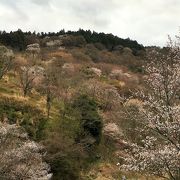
(20, 158)
(159, 152)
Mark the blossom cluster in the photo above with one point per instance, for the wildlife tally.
(20, 158)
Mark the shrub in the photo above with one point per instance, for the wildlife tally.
(27, 115)
(64, 168)
(70, 41)
(91, 122)
(92, 52)
(80, 56)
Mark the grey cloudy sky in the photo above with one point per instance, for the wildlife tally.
(148, 22)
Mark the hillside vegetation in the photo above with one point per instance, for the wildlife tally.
(74, 94)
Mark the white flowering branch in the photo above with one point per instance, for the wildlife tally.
(159, 153)
(20, 158)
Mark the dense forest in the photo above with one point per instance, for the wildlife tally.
(19, 39)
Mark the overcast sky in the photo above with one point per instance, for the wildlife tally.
(148, 22)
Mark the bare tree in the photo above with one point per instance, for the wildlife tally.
(49, 89)
(27, 77)
(6, 58)
(159, 152)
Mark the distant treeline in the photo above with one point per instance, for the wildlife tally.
(19, 39)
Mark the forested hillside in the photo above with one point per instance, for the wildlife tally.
(85, 105)
(19, 39)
